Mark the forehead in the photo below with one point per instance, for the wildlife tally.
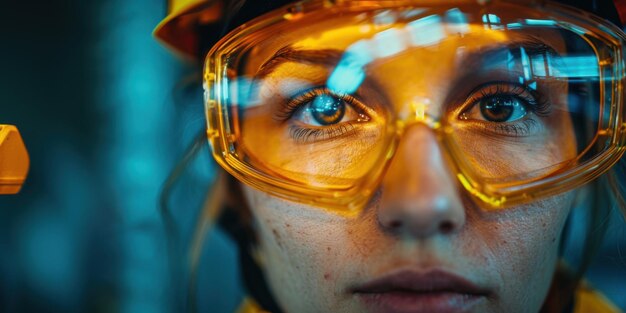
(387, 32)
(408, 58)
(394, 47)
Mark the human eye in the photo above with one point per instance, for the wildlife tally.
(506, 108)
(319, 114)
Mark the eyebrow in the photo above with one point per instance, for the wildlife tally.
(331, 57)
(323, 57)
(526, 50)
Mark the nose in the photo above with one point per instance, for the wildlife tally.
(419, 194)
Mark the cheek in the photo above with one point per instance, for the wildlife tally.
(522, 245)
(310, 257)
(303, 253)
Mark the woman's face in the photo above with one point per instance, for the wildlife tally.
(420, 249)
(420, 244)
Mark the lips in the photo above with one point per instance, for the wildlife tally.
(433, 291)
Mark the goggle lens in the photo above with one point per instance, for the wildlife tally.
(516, 96)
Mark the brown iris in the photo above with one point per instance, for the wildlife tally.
(501, 108)
(327, 110)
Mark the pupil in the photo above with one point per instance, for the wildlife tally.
(327, 109)
(498, 109)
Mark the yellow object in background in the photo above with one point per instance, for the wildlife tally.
(178, 29)
(14, 161)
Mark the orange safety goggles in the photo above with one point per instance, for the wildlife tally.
(525, 98)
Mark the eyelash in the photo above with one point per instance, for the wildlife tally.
(536, 103)
(533, 100)
(290, 107)
(308, 133)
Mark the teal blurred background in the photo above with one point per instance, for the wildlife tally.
(106, 113)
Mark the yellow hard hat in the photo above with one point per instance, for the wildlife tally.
(14, 160)
(178, 29)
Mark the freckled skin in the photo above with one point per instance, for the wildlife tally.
(313, 258)
(312, 263)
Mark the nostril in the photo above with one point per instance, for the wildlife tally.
(446, 227)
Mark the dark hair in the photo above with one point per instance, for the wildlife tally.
(235, 216)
